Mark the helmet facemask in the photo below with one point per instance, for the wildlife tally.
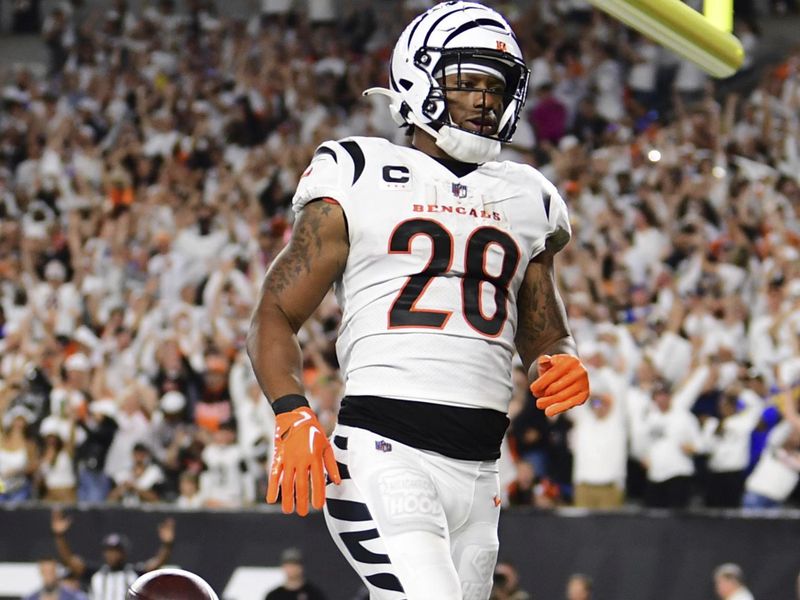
(504, 68)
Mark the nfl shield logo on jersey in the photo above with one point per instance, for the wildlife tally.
(383, 446)
(459, 190)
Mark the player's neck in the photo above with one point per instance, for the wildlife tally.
(424, 142)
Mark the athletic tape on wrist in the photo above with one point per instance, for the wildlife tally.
(288, 403)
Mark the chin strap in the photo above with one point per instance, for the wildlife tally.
(457, 143)
(465, 146)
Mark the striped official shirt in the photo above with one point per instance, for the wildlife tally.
(112, 584)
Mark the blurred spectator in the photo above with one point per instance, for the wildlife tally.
(56, 469)
(26, 16)
(56, 302)
(643, 55)
(19, 457)
(559, 459)
(58, 36)
(638, 399)
(729, 583)
(588, 125)
(506, 583)
(99, 427)
(548, 116)
(72, 582)
(133, 427)
(254, 419)
(690, 82)
(727, 440)
(214, 406)
(52, 588)
(606, 80)
(579, 587)
(142, 483)
(670, 438)
(295, 587)
(600, 449)
(528, 489)
(175, 372)
(189, 492)
(529, 432)
(226, 482)
(778, 470)
(69, 396)
(170, 433)
(107, 581)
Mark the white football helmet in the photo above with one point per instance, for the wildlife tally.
(455, 37)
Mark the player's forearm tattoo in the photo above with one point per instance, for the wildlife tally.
(547, 318)
(543, 320)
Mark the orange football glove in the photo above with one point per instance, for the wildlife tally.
(301, 450)
(562, 383)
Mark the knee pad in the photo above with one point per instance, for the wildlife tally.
(475, 555)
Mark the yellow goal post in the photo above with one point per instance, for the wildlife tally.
(704, 39)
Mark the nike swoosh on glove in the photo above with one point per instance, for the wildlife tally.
(301, 451)
(562, 383)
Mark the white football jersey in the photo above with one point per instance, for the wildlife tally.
(430, 287)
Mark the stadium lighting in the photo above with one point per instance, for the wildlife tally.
(654, 156)
(683, 30)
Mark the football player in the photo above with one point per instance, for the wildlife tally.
(442, 261)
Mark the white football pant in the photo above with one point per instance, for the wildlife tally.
(414, 525)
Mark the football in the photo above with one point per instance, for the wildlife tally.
(170, 584)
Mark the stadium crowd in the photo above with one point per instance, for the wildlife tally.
(145, 185)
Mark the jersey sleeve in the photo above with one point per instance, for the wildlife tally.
(324, 177)
(554, 230)
(560, 230)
